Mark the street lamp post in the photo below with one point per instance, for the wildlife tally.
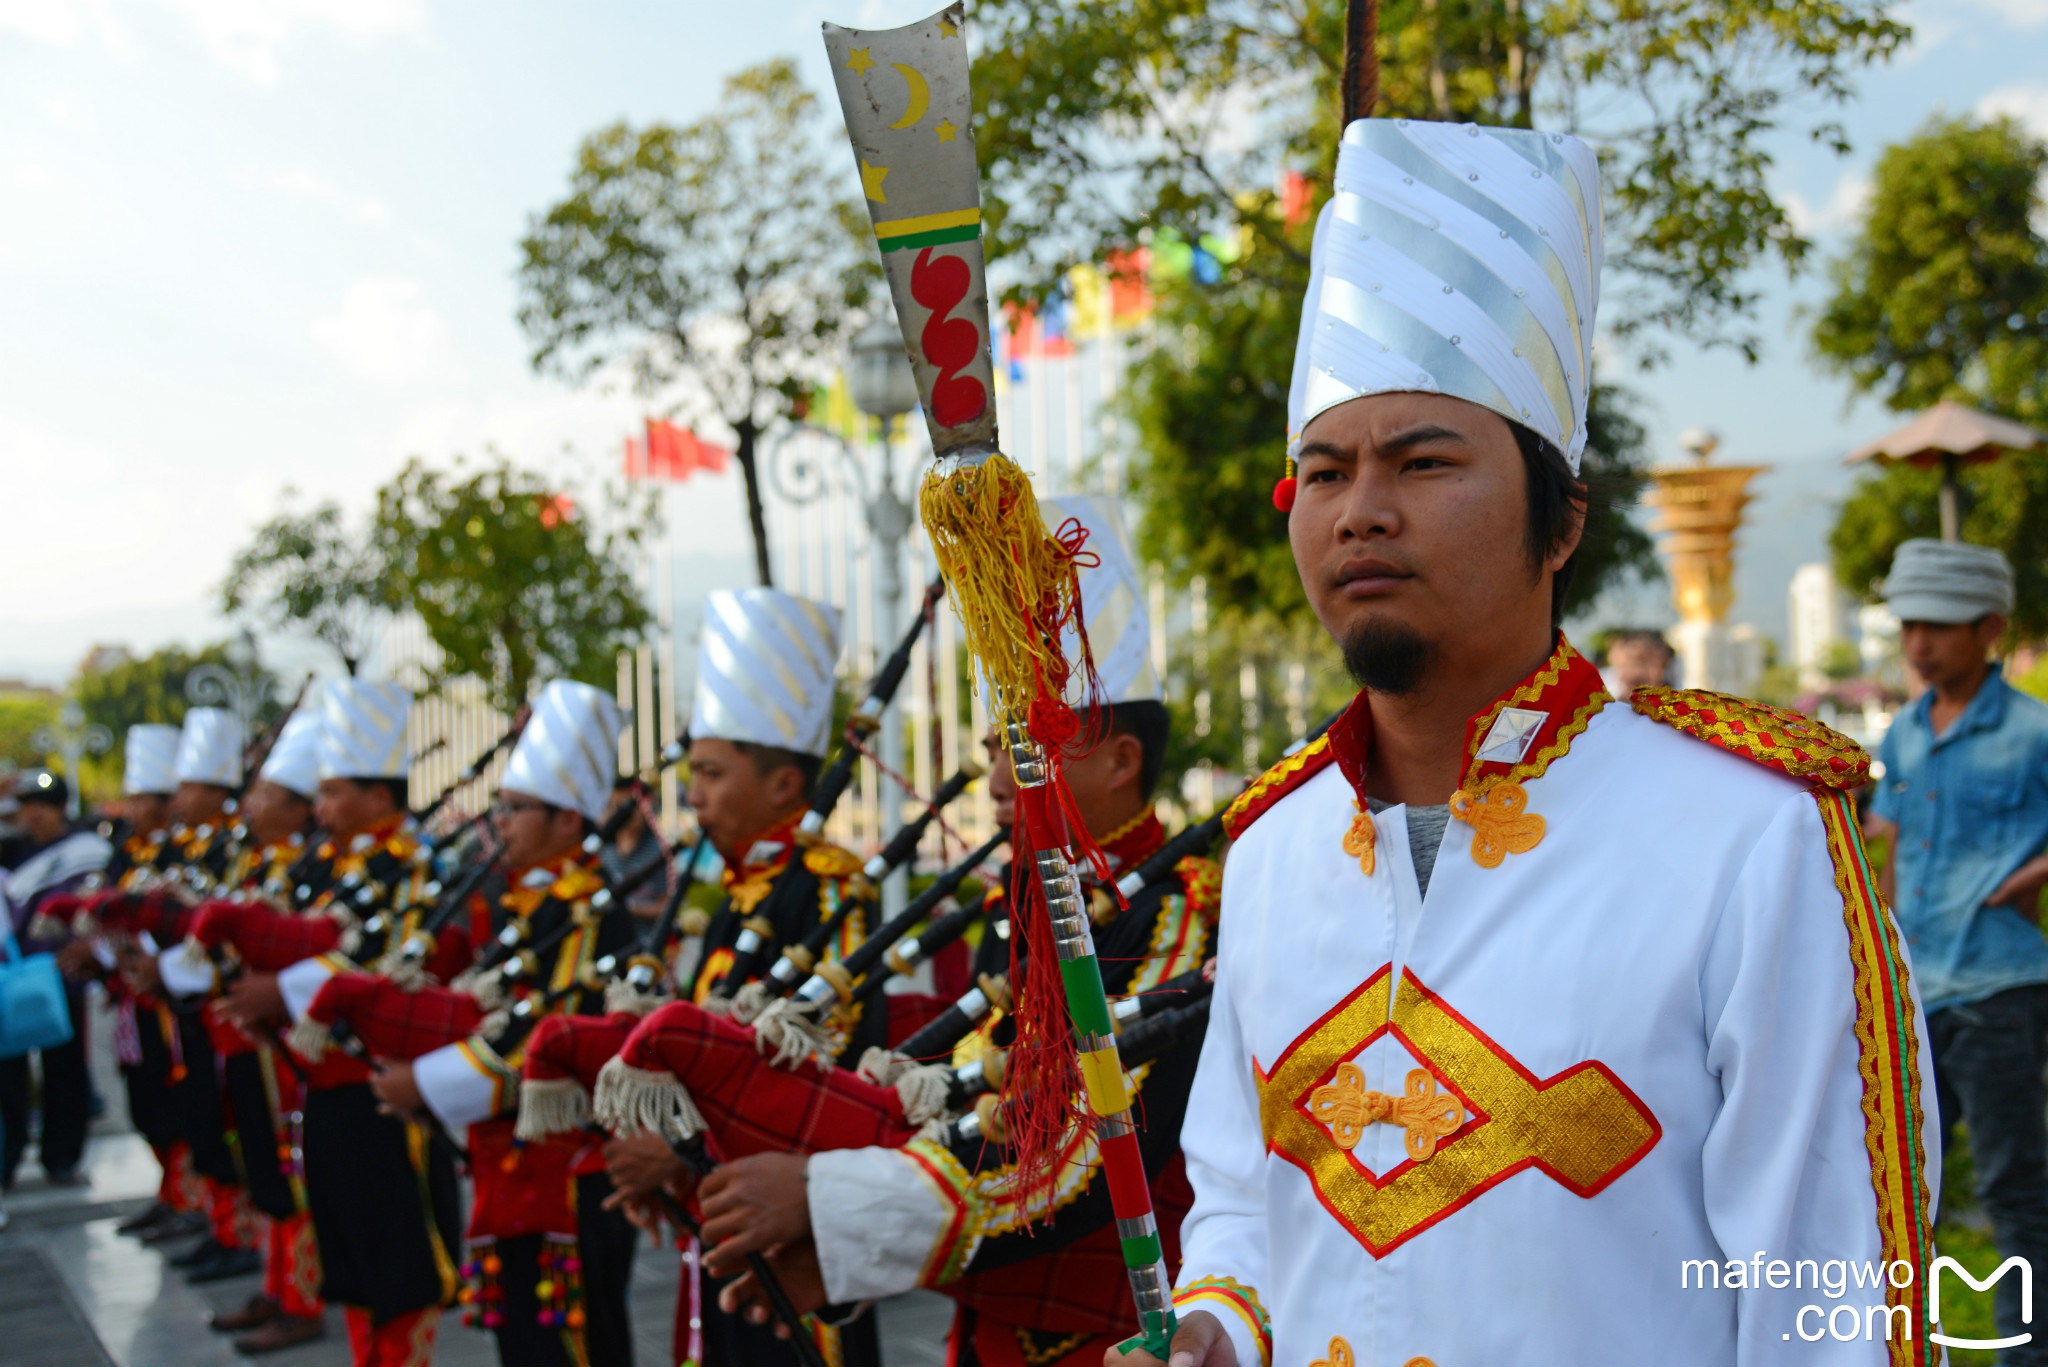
(236, 686)
(882, 386)
(73, 738)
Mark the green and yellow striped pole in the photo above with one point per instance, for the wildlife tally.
(1102, 1070)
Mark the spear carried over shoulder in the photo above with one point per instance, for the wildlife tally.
(909, 113)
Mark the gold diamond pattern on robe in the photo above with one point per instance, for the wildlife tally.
(1582, 1127)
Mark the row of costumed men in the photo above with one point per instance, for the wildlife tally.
(336, 1016)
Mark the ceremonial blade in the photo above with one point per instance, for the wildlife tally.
(909, 110)
(909, 115)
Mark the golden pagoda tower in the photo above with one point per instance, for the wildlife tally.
(1699, 508)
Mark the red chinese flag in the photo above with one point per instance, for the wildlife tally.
(672, 453)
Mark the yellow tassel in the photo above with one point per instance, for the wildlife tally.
(1012, 580)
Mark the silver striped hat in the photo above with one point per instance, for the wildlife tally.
(210, 748)
(767, 668)
(363, 729)
(568, 754)
(294, 758)
(150, 759)
(1112, 602)
(1459, 260)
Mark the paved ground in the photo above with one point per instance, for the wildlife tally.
(75, 1294)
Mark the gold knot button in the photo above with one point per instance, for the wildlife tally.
(1360, 842)
(1426, 1114)
(1501, 824)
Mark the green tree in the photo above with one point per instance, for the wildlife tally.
(309, 572)
(1113, 122)
(1943, 294)
(723, 252)
(21, 716)
(515, 583)
(1103, 120)
(151, 688)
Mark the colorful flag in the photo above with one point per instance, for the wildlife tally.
(672, 453)
(1297, 198)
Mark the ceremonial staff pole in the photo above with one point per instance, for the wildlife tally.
(909, 114)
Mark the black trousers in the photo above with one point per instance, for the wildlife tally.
(384, 1201)
(730, 1341)
(605, 1241)
(1988, 1058)
(67, 1098)
(149, 1083)
(198, 1112)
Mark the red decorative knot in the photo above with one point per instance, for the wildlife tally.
(1283, 495)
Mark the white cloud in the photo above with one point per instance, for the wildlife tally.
(65, 21)
(245, 35)
(2027, 103)
(386, 331)
(2020, 13)
(1844, 207)
(309, 185)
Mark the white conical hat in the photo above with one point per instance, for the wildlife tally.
(766, 670)
(210, 748)
(1459, 260)
(294, 758)
(1112, 602)
(151, 759)
(362, 729)
(568, 754)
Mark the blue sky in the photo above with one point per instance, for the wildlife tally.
(257, 243)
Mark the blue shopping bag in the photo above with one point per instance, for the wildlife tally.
(32, 1011)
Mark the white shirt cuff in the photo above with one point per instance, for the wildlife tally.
(875, 1221)
(300, 983)
(181, 976)
(457, 1087)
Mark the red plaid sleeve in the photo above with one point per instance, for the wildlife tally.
(392, 1021)
(748, 1105)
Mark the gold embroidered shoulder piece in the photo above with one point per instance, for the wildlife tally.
(1772, 736)
(1276, 783)
(829, 861)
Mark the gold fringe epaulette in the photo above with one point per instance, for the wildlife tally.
(1772, 736)
(1276, 783)
(1201, 881)
(829, 861)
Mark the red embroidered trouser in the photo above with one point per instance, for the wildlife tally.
(234, 1219)
(407, 1341)
(291, 1267)
(181, 1188)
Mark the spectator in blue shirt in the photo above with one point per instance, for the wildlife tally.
(1964, 798)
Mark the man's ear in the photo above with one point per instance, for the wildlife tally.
(1126, 760)
(785, 786)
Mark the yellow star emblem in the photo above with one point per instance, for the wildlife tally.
(871, 181)
(858, 61)
(949, 28)
(945, 129)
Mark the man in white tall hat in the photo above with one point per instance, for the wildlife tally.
(1533, 1011)
(556, 788)
(760, 725)
(148, 777)
(262, 1090)
(886, 1220)
(383, 1200)
(208, 767)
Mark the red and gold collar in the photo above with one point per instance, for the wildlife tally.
(766, 852)
(1131, 843)
(567, 877)
(1512, 740)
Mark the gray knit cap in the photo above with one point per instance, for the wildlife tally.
(1947, 582)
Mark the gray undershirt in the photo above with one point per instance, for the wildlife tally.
(1425, 835)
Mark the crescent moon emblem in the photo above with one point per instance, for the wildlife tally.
(920, 96)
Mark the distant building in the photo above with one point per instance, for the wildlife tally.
(102, 658)
(1818, 620)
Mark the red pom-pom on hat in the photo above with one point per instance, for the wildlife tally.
(1283, 494)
